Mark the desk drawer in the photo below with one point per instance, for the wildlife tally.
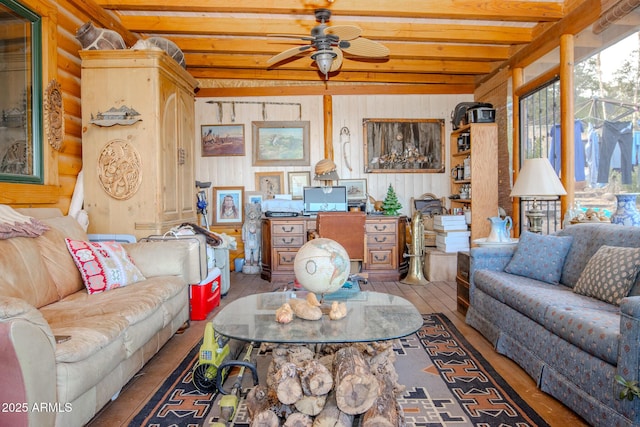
(287, 240)
(381, 227)
(289, 228)
(381, 259)
(381, 239)
(283, 259)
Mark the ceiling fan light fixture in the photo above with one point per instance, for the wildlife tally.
(324, 58)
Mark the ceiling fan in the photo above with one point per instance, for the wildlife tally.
(329, 43)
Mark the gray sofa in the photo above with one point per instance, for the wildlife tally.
(571, 344)
(112, 334)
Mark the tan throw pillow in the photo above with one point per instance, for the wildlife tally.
(610, 274)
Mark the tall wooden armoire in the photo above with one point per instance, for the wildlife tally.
(138, 142)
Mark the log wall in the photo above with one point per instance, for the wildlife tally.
(60, 62)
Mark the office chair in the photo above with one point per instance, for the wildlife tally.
(348, 229)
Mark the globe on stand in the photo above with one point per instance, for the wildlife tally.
(322, 266)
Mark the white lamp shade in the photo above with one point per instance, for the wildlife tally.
(537, 178)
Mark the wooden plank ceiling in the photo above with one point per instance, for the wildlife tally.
(448, 43)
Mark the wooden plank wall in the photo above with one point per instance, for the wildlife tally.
(496, 92)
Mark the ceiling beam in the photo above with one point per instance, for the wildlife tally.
(332, 89)
(341, 76)
(398, 49)
(449, 33)
(369, 65)
(499, 10)
(577, 20)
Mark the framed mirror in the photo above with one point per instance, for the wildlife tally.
(21, 135)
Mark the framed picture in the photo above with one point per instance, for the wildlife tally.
(253, 197)
(270, 183)
(280, 143)
(397, 145)
(222, 140)
(356, 188)
(297, 181)
(228, 208)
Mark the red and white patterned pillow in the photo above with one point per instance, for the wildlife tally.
(103, 265)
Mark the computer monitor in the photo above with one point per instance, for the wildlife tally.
(320, 199)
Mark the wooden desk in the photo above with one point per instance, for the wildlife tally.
(384, 247)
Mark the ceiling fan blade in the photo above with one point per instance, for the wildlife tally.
(337, 61)
(364, 47)
(292, 36)
(345, 32)
(287, 54)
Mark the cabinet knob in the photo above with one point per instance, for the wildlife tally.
(380, 228)
(380, 258)
(287, 230)
(288, 241)
(380, 240)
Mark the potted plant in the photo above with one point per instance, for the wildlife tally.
(630, 389)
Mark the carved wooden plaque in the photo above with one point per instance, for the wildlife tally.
(120, 169)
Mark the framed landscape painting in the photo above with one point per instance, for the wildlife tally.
(222, 140)
(280, 143)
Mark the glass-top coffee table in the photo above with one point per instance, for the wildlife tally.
(371, 316)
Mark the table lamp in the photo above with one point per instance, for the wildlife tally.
(537, 179)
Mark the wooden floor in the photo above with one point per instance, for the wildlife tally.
(436, 297)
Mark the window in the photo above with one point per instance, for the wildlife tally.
(21, 89)
(540, 137)
(606, 102)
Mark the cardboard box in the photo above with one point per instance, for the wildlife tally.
(439, 265)
(205, 296)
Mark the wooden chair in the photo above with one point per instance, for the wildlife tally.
(346, 228)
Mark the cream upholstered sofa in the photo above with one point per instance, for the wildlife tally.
(112, 333)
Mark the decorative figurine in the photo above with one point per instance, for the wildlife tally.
(251, 236)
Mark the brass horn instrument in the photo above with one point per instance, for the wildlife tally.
(415, 275)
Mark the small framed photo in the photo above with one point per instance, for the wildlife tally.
(253, 197)
(228, 208)
(297, 181)
(270, 183)
(356, 188)
(222, 140)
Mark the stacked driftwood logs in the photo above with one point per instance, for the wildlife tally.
(329, 387)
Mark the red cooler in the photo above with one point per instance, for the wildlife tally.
(205, 296)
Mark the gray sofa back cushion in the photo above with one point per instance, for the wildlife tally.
(587, 239)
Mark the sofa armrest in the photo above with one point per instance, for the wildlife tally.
(628, 366)
(27, 363)
(172, 257)
(486, 258)
(628, 354)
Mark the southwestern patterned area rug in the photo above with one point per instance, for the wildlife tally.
(448, 383)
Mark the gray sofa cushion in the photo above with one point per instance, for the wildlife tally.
(540, 257)
(589, 324)
(587, 239)
(609, 274)
(592, 329)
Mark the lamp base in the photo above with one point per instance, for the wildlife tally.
(535, 216)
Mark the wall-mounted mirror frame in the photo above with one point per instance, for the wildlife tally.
(21, 124)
